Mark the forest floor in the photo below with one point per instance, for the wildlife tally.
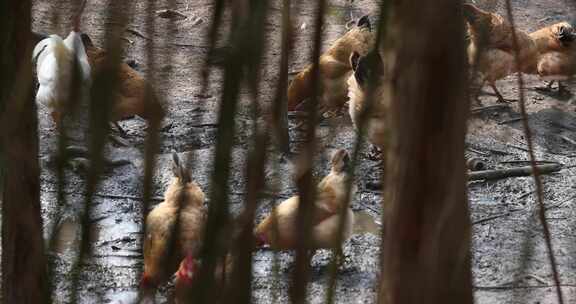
(505, 222)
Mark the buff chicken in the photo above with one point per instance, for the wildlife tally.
(334, 70)
(130, 97)
(557, 60)
(491, 48)
(330, 200)
(174, 230)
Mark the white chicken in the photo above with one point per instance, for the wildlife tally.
(55, 59)
(54, 67)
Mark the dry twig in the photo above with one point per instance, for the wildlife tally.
(513, 172)
(536, 172)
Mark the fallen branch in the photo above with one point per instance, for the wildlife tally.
(114, 196)
(474, 150)
(511, 120)
(513, 172)
(503, 287)
(194, 45)
(137, 33)
(127, 40)
(510, 212)
(378, 212)
(567, 139)
(490, 108)
(527, 162)
(169, 13)
(499, 152)
(562, 125)
(205, 125)
(517, 147)
(538, 279)
(493, 217)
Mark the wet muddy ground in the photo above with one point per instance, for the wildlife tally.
(505, 223)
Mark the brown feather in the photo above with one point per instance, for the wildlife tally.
(130, 98)
(557, 60)
(493, 36)
(334, 71)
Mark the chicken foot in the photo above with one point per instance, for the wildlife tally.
(121, 138)
(562, 90)
(501, 98)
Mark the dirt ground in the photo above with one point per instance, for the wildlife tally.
(505, 225)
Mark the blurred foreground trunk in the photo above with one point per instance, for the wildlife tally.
(426, 242)
(23, 260)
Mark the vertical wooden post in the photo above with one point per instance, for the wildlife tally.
(426, 240)
(24, 277)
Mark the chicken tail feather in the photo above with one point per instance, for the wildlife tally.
(300, 89)
(179, 171)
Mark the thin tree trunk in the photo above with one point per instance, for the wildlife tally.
(23, 259)
(426, 241)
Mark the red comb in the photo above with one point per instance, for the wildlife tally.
(146, 282)
(187, 269)
(261, 240)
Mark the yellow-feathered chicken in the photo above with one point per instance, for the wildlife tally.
(163, 250)
(334, 70)
(327, 209)
(130, 95)
(557, 60)
(491, 47)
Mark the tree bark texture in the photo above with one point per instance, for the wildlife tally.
(23, 261)
(426, 239)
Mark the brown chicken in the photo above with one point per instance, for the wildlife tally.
(557, 60)
(491, 48)
(369, 71)
(165, 244)
(132, 89)
(327, 209)
(334, 70)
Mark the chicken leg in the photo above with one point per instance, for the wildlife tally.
(121, 138)
(497, 93)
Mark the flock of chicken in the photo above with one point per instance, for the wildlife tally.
(549, 52)
(347, 70)
(55, 58)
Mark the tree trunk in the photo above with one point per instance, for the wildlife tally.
(23, 259)
(426, 241)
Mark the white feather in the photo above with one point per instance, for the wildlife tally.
(54, 69)
(74, 43)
